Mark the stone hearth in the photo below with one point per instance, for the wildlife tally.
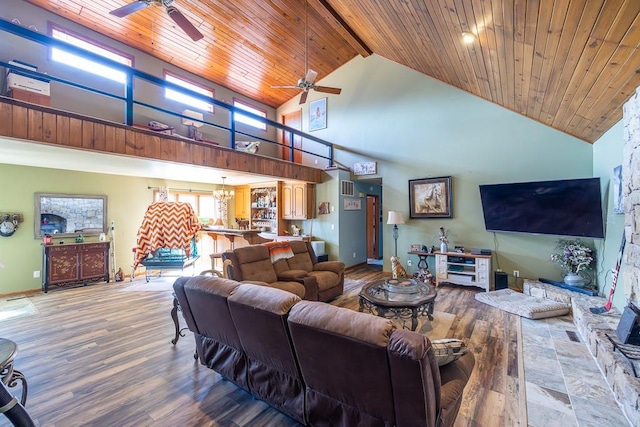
(592, 327)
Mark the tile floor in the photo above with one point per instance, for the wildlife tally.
(564, 386)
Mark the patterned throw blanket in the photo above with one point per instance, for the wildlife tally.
(279, 250)
(166, 225)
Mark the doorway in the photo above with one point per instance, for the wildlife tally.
(292, 120)
(373, 225)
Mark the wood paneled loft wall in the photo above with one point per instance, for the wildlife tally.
(41, 124)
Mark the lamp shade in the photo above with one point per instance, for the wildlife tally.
(395, 217)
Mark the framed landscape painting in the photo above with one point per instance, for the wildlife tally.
(430, 197)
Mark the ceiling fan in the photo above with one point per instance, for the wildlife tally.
(173, 13)
(308, 81)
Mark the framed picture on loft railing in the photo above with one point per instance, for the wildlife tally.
(430, 197)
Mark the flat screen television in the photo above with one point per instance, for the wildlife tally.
(570, 207)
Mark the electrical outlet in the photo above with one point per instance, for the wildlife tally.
(516, 273)
(409, 262)
(36, 274)
(354, 254)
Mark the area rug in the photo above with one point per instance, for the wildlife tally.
(16, 307)
(523, 305)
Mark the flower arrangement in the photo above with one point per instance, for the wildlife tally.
(572, 256)
(443, 236)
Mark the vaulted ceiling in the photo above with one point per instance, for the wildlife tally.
(570, 64)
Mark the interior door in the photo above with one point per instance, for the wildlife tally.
(372, 227)
(293, 120)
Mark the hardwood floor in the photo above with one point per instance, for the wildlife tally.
(101, 356)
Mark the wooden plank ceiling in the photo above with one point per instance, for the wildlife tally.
(570, 64)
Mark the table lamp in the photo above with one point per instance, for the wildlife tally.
(395, 218)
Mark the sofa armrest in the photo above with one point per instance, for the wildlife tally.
(291, 274)
(335, 266)
(310, 287)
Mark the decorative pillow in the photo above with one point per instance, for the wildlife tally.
(448, 350)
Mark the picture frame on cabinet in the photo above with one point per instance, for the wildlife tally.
(430, 197)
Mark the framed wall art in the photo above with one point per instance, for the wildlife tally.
(352, 204)
(430, 197)
(318, 114)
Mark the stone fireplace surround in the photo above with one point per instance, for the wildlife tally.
(592, 328)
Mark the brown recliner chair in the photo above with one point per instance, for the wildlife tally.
(360, 370)
(329, 275)
(260, 315)
(203, 302)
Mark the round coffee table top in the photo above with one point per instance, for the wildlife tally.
(8, 351)
(378, 293)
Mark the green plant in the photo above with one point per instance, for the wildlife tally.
(572, 256)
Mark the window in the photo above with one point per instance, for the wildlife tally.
(187, 99)
(86, 64)
(241, 118)
(204, 204)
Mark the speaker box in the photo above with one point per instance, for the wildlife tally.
(501, 280)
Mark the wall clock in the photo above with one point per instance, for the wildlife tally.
(7, 228)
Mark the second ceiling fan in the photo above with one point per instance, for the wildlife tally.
(173, 13)
(307, 83)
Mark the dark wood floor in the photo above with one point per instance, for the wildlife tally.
(101, 356)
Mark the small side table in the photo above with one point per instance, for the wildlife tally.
(8, 375)
(422, 258)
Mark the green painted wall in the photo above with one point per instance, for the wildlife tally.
(607, 154)
(128, 198)
(417, 127)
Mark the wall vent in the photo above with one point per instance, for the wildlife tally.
(347, 188)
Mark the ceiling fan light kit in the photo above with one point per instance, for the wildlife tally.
(177, 16)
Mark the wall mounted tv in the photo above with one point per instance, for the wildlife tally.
(571, 207)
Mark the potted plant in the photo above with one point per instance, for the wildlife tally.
(575, 259)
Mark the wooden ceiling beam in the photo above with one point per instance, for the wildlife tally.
(340, 25)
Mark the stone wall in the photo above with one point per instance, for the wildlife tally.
(631, 194)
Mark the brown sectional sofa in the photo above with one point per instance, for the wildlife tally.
(320, 364)
(301, 274)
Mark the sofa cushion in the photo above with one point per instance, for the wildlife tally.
(343, 358)
(325, 279)
(293, 287)
(291, 274)
(255, 264)
(301, 259)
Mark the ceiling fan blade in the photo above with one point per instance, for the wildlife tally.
(130, 8)
(303, 97)
(184, 23)
(333, 90)
(285, 87)
(311, 76)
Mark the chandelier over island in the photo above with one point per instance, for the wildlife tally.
(223, 196)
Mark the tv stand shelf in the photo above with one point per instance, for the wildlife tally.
(464, 269)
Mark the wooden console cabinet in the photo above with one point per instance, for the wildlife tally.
(464, 269)
(75, 263)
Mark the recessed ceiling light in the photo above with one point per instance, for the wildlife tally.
(468, 37)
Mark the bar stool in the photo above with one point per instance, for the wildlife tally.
(216, 256)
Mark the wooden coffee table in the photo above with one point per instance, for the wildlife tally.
(377, 298)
